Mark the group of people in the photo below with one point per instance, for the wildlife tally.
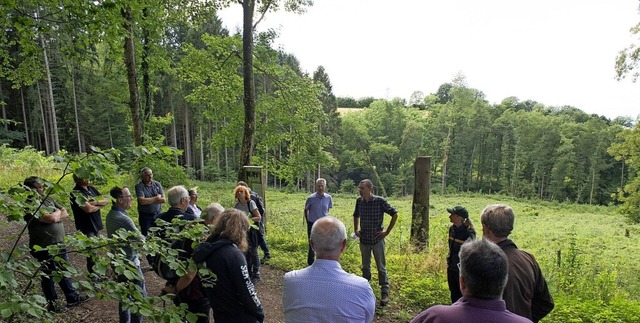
(488, 278)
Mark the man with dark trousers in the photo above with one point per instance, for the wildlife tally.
(150, 197)
(87, 216)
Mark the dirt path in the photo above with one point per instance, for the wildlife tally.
(95, 310)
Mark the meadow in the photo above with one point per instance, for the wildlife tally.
(590, 255)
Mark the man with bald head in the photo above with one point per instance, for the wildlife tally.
(323, 292)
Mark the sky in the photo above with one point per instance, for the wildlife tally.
(555, 52)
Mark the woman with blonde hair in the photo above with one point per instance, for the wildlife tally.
(245, 204)
(229, 288)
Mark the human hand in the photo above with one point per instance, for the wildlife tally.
(381, 234)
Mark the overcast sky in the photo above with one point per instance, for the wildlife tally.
(556, 52)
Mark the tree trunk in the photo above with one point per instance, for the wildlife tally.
(4, 109)
(132, 76)
(24, 117)
(187, 139)
(420, 207)
(146, 79)
(52, 107)
(44, 121)
(75, 108)
(201, 139)
(248, 8)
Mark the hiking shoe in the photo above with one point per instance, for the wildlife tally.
(81, 299)
(384, 300)
(55, 307)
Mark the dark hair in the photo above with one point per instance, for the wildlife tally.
(367, 183)
(117, 192)
(31, 181)
(484, 267)
(242, 183)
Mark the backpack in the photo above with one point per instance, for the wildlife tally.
(162, 268)
(259, 203)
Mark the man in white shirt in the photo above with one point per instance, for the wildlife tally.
(323, 292)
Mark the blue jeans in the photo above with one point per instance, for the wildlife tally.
(381, 264)
(124, 314)
(49, 266)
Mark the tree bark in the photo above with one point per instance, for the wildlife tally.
(44, 121)
(55, 142)
(24, 117)
(132, 76)
(248, 9)
(75, 108)
(201, 139)
(146, 78)
(187, 139)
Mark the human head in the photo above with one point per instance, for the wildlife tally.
(321, 185)
(80, 181)
(365, 187)
(35, 182)
(498, 218)
(193, 196)
(458, 214)
(244, 191)
(484, 269)
(328, 237)
(232, 224)
(146, 175)
(178, 196)
(211, 212)
(122, 197)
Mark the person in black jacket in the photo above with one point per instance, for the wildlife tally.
(231, 293)
(460, 231)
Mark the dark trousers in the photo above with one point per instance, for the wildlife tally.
(263, 244)
(146, 220)
(90, 261)
(253, 259)
(49, 266)
(311, 255)
(453, 278)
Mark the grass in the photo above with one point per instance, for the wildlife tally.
(588, 258)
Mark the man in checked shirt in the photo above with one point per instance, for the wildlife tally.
(369, 216)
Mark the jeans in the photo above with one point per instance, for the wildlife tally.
(381, 264)
(49, 266)
(124, 313)
(263, 245)
(311, 255)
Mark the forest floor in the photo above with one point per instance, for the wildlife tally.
(95, 310)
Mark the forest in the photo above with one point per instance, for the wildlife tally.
(116, 74)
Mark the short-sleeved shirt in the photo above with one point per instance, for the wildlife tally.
(246, 208)
(45, 234)
(86, 222)
(323, 292)
(371, 214)
(148, 191)
(318, 206)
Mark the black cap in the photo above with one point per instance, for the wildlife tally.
(459, 210)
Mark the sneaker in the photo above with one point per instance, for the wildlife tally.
(384, 300)
(81, 299)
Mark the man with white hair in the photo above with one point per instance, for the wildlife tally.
(324, 292)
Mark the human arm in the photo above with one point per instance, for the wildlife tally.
(254, 211)
(542, 302)
(383, 234)
(356, 221)
(55, 216)
(245, 289)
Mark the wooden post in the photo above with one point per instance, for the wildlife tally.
(420, 207)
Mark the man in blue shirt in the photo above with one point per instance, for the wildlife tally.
(324, 292)
(368, 216)
(317, 206)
